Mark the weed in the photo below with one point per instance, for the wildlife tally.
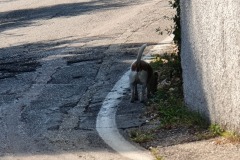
(177, 23)
(175, 29)
(173, 114)
(155, 153)
(168, 103)
(231, 136)
(139, 136)
(169, 98)
(204, 135)
(216, 130)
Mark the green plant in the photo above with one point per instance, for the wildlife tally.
(177, 25)
(175, 30)
(155, 153)
(169, 97)
(173, 114)
(170, 74)
(139, 136)
(216, 130)
(231, 136)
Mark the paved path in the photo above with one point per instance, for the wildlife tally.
(58, 61)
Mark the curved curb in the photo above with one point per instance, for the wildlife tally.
(106, 123)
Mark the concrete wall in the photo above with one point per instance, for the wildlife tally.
(211, 59)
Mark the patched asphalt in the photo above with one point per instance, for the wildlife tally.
(58, 61)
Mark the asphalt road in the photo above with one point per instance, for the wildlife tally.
(58, 61)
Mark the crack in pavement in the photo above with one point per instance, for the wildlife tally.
(16, 137)
(80, 58)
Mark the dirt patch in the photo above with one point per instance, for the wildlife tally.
(182, 143)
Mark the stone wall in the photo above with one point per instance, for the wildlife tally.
(211, 59)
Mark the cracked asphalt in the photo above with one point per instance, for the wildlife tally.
(58, 61)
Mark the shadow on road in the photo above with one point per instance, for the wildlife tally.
(25, 57)
(75, 91)
(26, 17)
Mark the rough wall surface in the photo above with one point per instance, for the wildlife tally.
(211, 59)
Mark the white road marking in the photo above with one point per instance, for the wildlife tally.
(106, 123)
